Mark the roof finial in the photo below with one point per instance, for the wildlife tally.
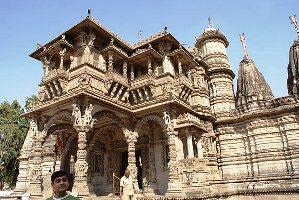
(243, 38)
(89, 13)
(139, 35)
(165, 29)
(295, 23)
(38, 46)
(210, 23)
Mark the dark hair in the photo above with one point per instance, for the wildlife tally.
(57, 174)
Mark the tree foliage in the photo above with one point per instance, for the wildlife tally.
(13, 128)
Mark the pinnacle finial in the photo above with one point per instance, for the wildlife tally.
(89, 13)
(210, 23)
(139, 35)
(242, 39)
(295, 23)
(165, 29)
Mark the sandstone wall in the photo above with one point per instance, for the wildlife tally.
(260, 152)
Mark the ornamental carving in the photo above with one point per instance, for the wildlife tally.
(164, 47)
(131, 135)
(86, 121)
(81, 169)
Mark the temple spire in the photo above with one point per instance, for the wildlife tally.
(252, 87)
(242, 39)
(295, 23)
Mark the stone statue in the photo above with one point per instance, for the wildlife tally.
(88, 116)
(167, 121)
(76, 114)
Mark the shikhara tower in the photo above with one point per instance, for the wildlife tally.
(165, 112)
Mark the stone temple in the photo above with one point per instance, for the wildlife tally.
(167, 113)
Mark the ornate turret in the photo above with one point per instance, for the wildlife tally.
(212, 43)
(252, 88)
(293, 67)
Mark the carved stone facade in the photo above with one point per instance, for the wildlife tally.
(166, 113)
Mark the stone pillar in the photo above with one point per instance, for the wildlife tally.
(82, 124)
(199, 149)
(81, 167)
(132, 159)
(110, 61)
(180, 65)
(131, 137)
(132, 73)
(190, 145)
(35, 187)
(24, 159)
(174, 184)
(149, 66)
(125, 69)
(46, 64)
(62, 54)
(151, 164)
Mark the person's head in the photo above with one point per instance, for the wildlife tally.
(60, 182)
(127, 173)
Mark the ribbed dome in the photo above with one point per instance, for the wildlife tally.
(251, 85)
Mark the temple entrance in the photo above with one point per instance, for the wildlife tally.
(124, 165)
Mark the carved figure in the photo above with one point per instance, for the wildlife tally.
(88, 116)
(167, 121)
(76, 114)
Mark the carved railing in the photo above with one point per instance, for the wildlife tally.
(54, 84)
(115, 76)
(142, 81)
(54, 74)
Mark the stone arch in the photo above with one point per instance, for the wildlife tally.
(151, 117)
(65, 114)
(66, 153)
(111, 115)
(67, 146)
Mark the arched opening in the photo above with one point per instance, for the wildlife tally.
(105, 153)
(152, 159)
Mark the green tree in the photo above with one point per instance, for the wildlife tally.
(13, 129)
(30, 101)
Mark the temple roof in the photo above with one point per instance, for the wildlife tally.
(91, 23)
(251, 84)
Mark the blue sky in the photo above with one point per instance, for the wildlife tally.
(266, 25)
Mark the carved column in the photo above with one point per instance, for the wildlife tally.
(110, 61)
(82, 124)
(62, 54)
(190, 144)
(151, 163)
(125, 69)
(131, 140)
(132, 73)
(199, 149)
(35, 188)
(174, 184)
(180, 65)
(46, 64)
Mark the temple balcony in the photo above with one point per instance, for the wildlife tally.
(53, 85)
